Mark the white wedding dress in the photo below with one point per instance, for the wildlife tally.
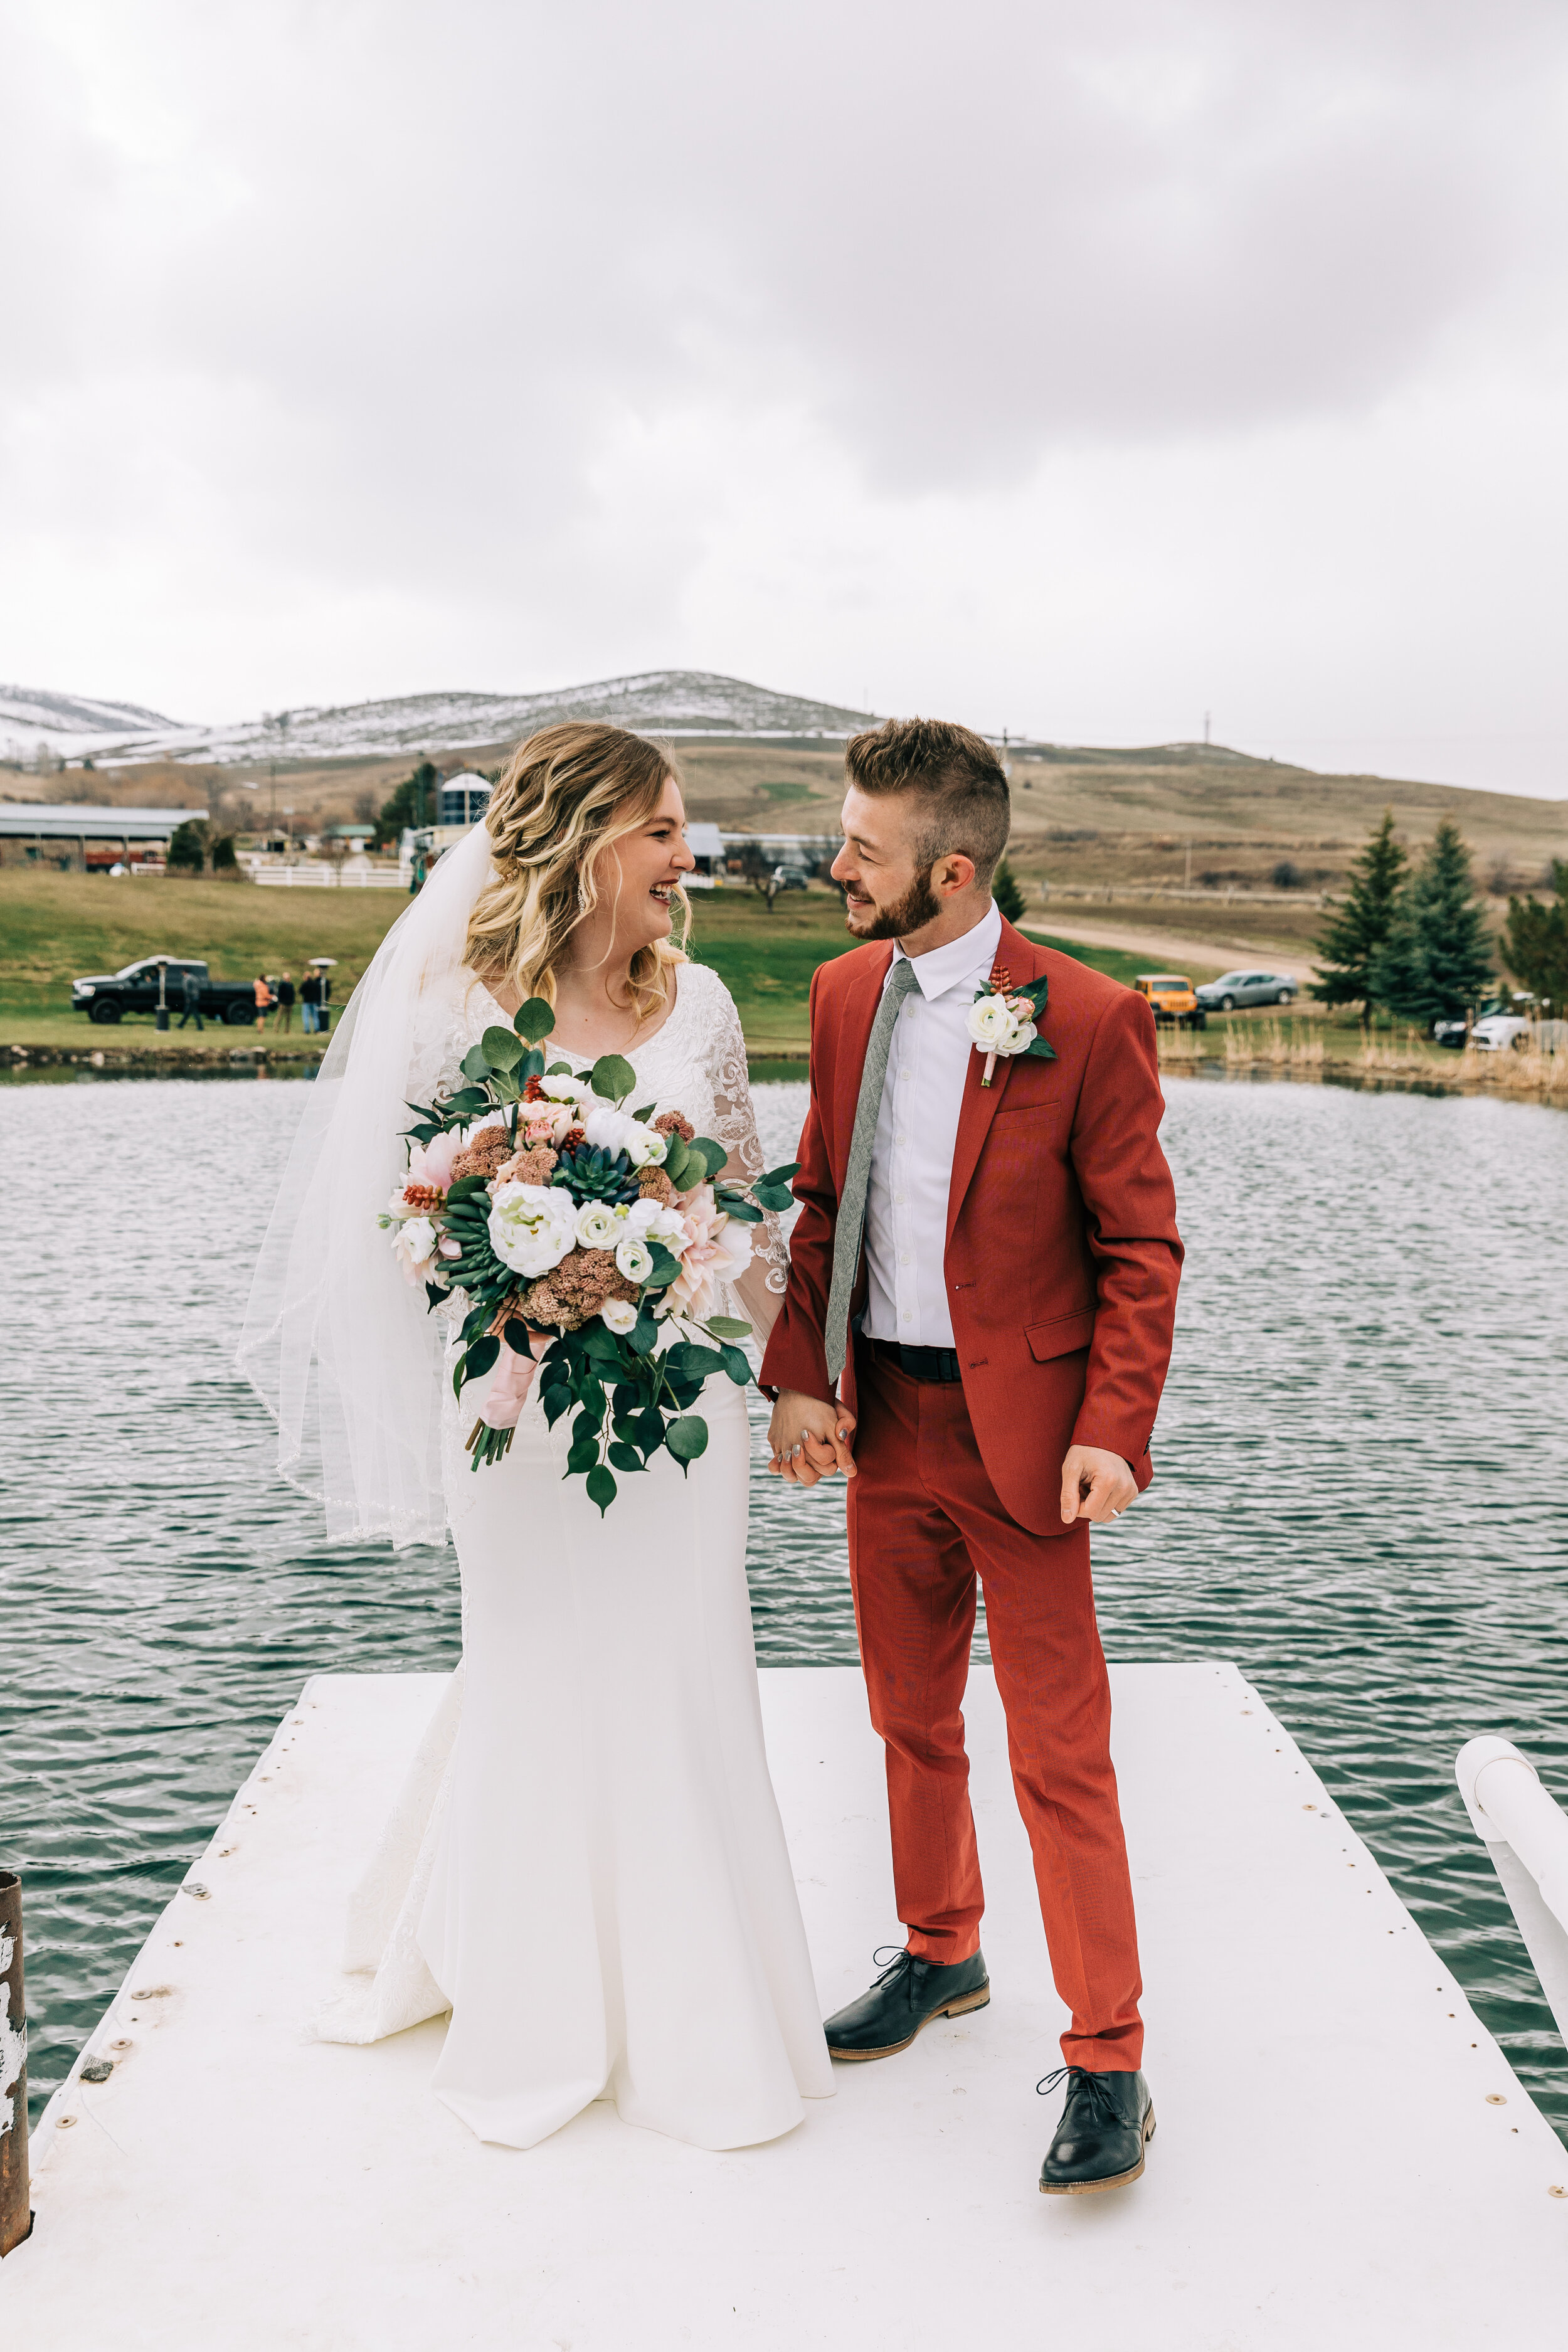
(587, 1864)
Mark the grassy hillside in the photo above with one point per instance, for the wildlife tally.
(54, 927)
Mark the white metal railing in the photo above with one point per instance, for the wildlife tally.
(1525, 1831)
(330, 878)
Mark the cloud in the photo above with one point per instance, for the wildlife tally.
(351, 334)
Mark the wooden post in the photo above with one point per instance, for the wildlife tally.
(15, 2219)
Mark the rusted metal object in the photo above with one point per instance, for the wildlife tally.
(16, 2218)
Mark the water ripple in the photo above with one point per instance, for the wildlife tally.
(1362, 1494)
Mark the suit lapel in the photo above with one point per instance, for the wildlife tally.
(979, 1107)
(859, 1012)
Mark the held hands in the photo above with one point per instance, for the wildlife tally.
(1095, 1485)
(809, 1439)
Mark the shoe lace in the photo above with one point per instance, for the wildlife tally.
(900, 1956)
(1080, 2080)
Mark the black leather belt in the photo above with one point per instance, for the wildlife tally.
(918, 1363)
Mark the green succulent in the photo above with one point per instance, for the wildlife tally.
(595, 1174)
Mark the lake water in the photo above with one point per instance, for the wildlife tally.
(1361, 1494)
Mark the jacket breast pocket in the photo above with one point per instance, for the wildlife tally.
(1062, 1336)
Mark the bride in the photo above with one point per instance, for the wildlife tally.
(587, 1866)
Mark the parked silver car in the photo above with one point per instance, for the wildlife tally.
(1234, 988)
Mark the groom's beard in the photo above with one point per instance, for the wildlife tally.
(917, 908)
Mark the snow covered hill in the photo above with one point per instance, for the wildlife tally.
(674, 701)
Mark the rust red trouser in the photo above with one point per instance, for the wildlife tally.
(924, 1520)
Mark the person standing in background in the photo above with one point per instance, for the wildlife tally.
(263, 988)
(284, 1015)
(191, 999)
(310, 1002)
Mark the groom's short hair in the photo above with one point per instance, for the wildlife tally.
(958, 782)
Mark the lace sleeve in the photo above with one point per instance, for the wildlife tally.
(761, 1289)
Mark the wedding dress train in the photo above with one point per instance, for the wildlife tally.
(587, 1864)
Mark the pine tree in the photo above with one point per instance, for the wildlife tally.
(1359, 923)
(1008, 892)
(1436, 963)
(415, 802)
(1535, 942)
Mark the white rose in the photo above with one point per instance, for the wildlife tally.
(635, 1260)
(609, 1129)
(639, 1217)
(645, 1147)
(1019, 1035)
(567, 1089)
(667, 1226)
(990, 1019)
(532, 1227)
(618, 1314)
(597, 1226)
(419, 1238)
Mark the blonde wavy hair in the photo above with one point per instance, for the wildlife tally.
(565, 794)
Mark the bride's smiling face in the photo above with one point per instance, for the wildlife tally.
(635, 874)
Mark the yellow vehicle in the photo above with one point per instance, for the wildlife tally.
(1173, 999)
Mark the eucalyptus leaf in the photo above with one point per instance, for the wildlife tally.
(532, 1065)
(666, 1269)
(559, 1070)
(712, 1155)
(648, 1429)
(727, 1327)
(737, 1367)
(676, 1160)
(612, 1077)
(502, 1050)
(476, 1064)
(775, 1197)
(780, 1175)
(1038, 1048)
(533, 1020)
(686, 1438)
(645, 1114)
(743, 1211)
(601, 1345)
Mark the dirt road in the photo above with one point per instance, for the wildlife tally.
(1205, 958)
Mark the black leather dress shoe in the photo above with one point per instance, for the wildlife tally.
(905, 1998)
(1107, 2122)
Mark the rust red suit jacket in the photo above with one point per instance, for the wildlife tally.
(1062, 1254)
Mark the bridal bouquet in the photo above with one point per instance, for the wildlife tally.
(585, 1243)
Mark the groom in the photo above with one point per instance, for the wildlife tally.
(981, 1297)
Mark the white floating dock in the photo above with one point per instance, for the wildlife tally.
(1344, 2157)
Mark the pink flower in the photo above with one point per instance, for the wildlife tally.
(717, 1249)
(431, 1163)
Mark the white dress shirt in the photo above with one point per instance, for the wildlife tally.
(911, 1156)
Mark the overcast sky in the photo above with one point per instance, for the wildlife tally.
(1071, 368)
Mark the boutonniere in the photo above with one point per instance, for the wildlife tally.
(1004, 1020)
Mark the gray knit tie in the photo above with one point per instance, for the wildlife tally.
(850, 1222)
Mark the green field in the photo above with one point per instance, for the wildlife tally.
(56, 927)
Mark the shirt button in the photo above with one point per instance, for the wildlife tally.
(903, 1257)
(898, 1200)
(908, 1316)
(900, 1139)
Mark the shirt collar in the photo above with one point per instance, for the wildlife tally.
(940, 969)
